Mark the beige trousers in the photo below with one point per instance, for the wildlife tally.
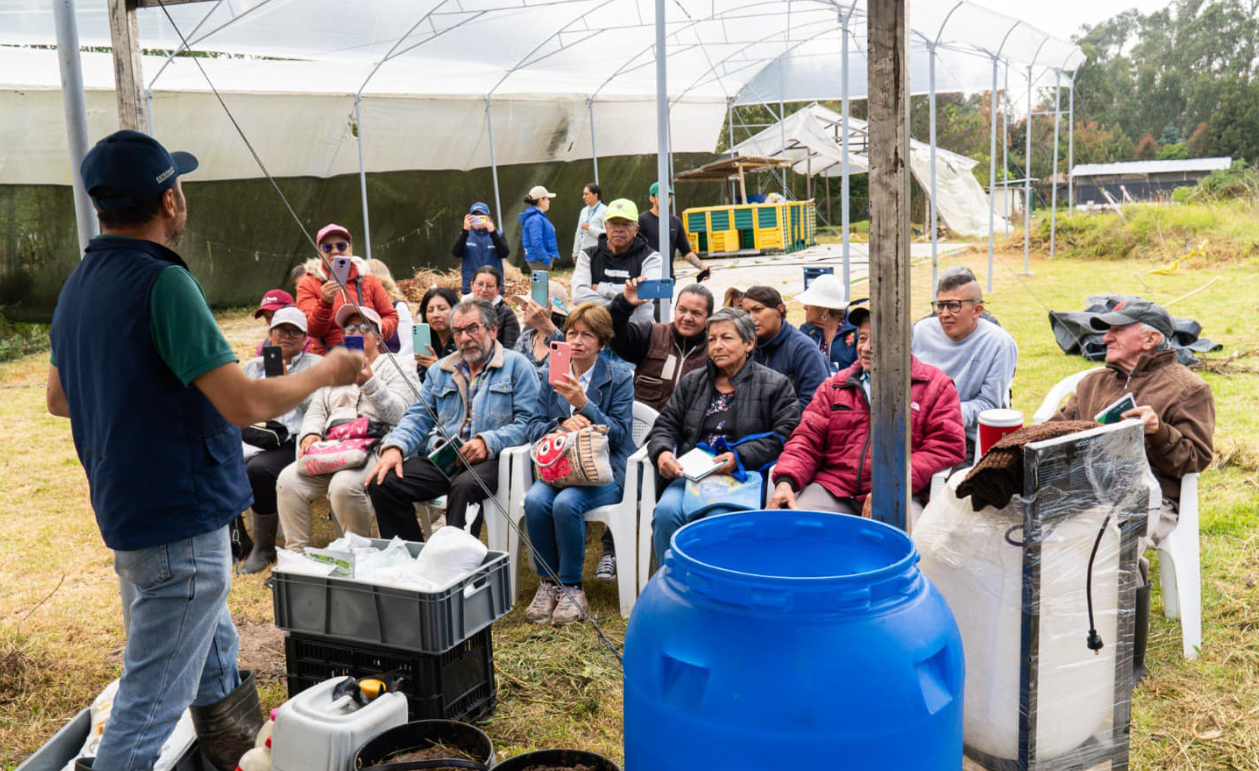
(815, 497)
(350, 505)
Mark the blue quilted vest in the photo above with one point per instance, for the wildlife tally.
(163, 465)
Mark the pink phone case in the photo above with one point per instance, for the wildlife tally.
(561, 361)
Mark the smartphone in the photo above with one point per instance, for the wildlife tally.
(272, 361)
(541, 292)
(421, 338)
(656, 289)
(341, 268)
(561, 361)
(354, 342)
(479, 220)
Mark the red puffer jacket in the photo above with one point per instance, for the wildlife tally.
(320, 318)
(832, 444)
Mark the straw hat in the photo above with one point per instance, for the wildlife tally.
(825, 291)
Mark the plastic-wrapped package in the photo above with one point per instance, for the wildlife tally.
(1030, 583)
(172, 749)
(449, 555)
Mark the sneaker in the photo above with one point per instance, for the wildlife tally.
(572, 606)
(543, 605)
(606, 569)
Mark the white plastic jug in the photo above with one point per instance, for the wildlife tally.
(967, 556)
(314, 732)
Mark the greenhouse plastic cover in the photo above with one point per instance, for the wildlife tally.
(811, 138)
(438, 61)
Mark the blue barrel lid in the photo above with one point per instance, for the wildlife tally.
(787, 559)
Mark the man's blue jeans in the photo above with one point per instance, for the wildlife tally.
(181, 646)
(556, 520)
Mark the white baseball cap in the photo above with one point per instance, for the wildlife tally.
(289, 315)
(538, 192)
(825, 291)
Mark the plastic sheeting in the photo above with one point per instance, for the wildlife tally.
(811, 139)
(1005, 571)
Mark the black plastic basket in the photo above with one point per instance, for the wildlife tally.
(455, 685)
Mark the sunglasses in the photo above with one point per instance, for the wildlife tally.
(334, 246)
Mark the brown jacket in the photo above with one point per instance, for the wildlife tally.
(1186, 413)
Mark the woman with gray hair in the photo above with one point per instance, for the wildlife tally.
(730, 398)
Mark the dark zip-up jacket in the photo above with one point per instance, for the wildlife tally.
(797, 357)
(832, 445)
(763, 402)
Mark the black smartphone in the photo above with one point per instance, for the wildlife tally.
(272, 361)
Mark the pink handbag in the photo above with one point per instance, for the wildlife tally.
(347, 445)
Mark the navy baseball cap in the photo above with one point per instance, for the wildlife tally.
(135, 166)
(479, 208)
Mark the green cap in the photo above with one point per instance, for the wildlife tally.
(622, 209)
(655, 189)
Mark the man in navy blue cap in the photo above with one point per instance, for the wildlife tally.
(154, 398)
(479, 243)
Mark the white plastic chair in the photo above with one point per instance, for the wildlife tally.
(620, 518)
(1180, 556)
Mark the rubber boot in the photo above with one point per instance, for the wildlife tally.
(226, 730)
(263, 552)
(1141, 633)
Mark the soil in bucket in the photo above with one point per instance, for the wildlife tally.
(428, 740)
(558, 760)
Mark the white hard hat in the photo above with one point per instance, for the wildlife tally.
(825, 291)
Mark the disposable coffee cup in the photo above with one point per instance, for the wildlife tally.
(994, 424)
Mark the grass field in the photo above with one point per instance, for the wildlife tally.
(60, 634)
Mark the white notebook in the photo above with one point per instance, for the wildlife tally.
(697, 464)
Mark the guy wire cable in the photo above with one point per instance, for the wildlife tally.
(348, 297)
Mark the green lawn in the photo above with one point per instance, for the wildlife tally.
(60, 625)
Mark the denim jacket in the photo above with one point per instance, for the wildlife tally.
(609, 402)
(501, 407)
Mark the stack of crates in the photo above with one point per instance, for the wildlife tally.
(758, 227)
(439, 641)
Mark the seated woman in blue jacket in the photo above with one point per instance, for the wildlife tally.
(783, 348)
(595, 392)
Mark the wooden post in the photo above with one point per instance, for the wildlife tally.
(128, 77)
(889, 257)
(743, 186)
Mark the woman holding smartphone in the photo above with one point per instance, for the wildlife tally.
(542, 326)
(592, 392)
(435, 312)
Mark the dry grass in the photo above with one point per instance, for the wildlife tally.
(60, 623)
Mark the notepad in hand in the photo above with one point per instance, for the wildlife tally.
(697, 464)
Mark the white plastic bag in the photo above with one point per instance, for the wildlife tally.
(451, 554)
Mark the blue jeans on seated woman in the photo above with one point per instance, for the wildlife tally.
(668, 517)
(556, 520)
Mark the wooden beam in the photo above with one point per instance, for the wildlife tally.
(888, 46)
(128, 76)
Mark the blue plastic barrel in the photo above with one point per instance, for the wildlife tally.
(792, 639)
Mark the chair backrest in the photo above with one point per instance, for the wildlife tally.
(644, 419)
(1060, 391)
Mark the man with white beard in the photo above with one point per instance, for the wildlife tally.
(484, 395)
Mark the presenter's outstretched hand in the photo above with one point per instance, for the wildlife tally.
(343, 366)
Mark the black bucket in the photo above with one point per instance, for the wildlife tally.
(421, 735)
(549, 758)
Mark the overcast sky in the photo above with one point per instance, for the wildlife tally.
(1063, 18)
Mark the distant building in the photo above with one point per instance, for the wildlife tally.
(1141, 180)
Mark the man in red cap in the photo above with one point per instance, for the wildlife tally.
(320, 296)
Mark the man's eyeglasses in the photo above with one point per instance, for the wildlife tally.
(952, 306)
(289, 334)
(363, 328)
(334, 246)
(472, 330)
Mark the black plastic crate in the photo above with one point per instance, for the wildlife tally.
(455, 685)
